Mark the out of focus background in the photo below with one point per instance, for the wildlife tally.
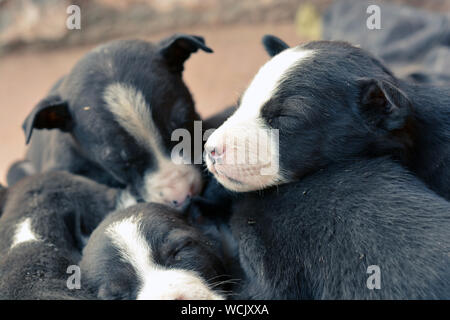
(36, 47)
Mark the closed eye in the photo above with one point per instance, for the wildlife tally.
(175, 253)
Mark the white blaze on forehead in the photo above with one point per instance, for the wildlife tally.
(128, 239)
(24, 233)
(132, 112)
(266, 81)
(261, 89)
(157, 282)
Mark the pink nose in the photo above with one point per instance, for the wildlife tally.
(215, 153)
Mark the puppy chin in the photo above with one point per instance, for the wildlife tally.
(234, 185)
(242, 178)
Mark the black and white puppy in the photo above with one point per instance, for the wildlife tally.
(115, 113)
(324, 102)
(45, 220)
(364, 229)
(336, 111)
(150, 251)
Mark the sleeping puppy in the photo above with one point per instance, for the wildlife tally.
(114, 114)
(45, 220)
(324, 102)
(332, 234)
(324, 114)
(149, 251)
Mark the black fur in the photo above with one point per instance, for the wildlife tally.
(84, 144)
(342, 103)
(3, 196)
(63, 209)
(315, 238)
(273, 45)
(19, 170)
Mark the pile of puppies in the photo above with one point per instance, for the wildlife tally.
(361, 179)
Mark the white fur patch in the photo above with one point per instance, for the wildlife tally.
(157, 282)
(265, 84)
(24, 233)
(133, 247)
(175, 284)
(132, 112)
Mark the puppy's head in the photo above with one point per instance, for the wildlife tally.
(308, 106)
(149, 252)
(121, 103)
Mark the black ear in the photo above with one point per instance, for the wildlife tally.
(177, 49)
(50, 113)
(273, 45)
(383, 105)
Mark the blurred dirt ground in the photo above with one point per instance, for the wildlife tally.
(233, 28)
(215, 80)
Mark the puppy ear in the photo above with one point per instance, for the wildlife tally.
(177, 49)
(383, 105)
(50, 113)
(273, 45)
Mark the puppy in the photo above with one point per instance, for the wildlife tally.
(324, 102)
(45, 220)
(114, 114)
(332, 234)
(150, 251)
(316, 123)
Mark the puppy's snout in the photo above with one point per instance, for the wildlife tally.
(173, 185)
(181, 199)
